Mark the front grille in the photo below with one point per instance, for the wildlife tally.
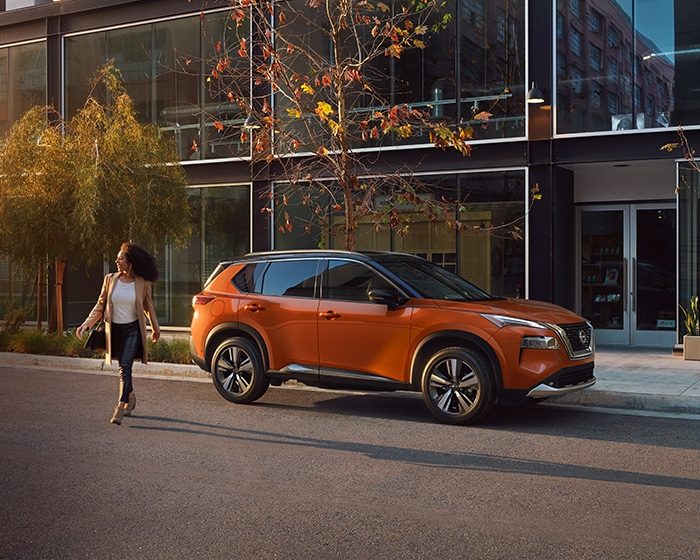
(579, 336)
(571, 376)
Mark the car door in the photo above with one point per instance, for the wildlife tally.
(360, 340)
(283, 308)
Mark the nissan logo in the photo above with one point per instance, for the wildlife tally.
(583, 336)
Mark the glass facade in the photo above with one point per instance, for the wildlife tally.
(474, 62)
(165, 66)
(22, 81)
(22, 86)
(688, 237)
(640, 56)
(220, 219)
(490, 252)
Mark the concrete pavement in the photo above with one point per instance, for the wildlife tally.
(639, 379)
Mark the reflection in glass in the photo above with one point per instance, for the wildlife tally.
(688, 237)
(602, 268)
(22, 81)
(220, 220)
(492, 248)
(645, 56)
(655, 281)
(165, 66)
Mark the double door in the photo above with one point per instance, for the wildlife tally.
(627, 273)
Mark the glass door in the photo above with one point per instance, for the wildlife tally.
(627, 273)
(653, 275)
(604, 244)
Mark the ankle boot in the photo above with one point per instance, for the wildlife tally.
(132, 404)
(118, 415)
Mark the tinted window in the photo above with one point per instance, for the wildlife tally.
(290, 278)
(351, 281)
(432, 281)
(249, 280)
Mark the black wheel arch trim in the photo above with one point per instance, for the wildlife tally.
(467, 337)
(235, 326)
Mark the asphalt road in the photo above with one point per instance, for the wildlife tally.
(309, 474)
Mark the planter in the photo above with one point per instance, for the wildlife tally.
(691, 347)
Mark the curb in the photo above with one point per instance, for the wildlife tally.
(96, 365)
(677, 404)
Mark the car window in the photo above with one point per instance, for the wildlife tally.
(431, 280)
(249, 280)
(296, 278)
(351, 281)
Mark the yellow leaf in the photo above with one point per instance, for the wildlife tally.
(306, 88)
(294, 113)
(418, 43)
(383, 7)
(322, 151)
(393, 51)
(421, 30)
(323, 109)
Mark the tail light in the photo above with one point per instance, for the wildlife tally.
(201, 299)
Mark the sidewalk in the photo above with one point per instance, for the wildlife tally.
(648, 379)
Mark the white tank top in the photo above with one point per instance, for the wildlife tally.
(124, 302)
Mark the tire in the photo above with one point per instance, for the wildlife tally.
(458, 386)
(237, 371)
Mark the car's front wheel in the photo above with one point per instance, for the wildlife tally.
(238, 372)
(458, 386)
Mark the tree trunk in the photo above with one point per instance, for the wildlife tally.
(60, 269)
(40, 285)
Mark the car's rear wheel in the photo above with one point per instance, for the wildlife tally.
(458, 386)
(238, 372)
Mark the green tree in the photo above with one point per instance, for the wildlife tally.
(72, 190)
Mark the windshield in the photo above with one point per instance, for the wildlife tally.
(430, 280)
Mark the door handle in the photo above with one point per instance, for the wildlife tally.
(623, 286)
(329, 314)
(254, 307)
(634, 284)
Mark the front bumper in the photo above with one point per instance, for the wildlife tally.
(567, 380)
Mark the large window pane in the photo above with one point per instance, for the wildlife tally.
(165, 66)
(643, 55)
(492, 248)
(220, 220)
(22, 81)
(492, 65)
(688, 237)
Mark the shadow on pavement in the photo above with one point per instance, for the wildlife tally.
(451, 460)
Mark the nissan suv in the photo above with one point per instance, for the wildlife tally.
(382, 321)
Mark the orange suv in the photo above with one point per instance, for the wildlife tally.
(382, 321)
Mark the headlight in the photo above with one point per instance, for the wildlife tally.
(502, 321)
(540, 342)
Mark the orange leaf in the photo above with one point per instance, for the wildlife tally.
(195, 146)
(218, 125)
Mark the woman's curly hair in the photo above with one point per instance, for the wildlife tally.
(142, 262)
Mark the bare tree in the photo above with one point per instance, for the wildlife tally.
(320, 97)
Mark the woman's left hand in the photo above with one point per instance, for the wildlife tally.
(155, 335)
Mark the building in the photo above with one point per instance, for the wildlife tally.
(612, 237)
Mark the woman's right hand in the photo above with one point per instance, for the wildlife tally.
(81, 330)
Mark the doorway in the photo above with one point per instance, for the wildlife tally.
(626, 281)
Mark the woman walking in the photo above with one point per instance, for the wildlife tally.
(125, 301)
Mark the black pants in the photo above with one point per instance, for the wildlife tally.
(126, 346)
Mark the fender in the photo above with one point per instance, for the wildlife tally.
(241, 327)
(484, 346)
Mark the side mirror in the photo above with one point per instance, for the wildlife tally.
(386, 296)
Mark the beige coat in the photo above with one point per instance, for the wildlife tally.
(144, 307)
